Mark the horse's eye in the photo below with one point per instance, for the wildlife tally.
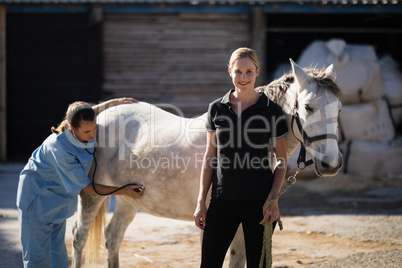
(308, 108)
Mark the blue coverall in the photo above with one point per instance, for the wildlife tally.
(47, 195)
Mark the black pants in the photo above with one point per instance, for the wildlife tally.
(223, 220)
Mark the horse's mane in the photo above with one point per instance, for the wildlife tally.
(277, 88)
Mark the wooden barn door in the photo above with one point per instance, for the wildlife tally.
(52, 60)
(178, 59)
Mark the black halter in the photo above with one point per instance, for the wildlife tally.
(306, 139)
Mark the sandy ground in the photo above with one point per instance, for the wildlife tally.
(338, 222)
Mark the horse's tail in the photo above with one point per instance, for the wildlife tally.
(96, 238)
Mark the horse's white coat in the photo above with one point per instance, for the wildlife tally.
(140, 143)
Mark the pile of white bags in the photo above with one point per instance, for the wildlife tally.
(357, 68)
(372, 106)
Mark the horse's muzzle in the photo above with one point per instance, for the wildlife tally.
(324, 167)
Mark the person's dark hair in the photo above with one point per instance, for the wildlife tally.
(76, 112)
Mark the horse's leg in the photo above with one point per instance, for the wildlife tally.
(114, 233)
(88, 207)
(238, 250)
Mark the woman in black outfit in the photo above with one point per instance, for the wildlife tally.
(240, 126)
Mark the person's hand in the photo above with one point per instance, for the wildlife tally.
(272, 212)
(113, 102)
(200, 215)
(134, 191)
(118, 101)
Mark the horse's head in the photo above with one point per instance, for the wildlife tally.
(315, 117)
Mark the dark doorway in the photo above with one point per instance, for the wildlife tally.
(52, 60)
(289, 34)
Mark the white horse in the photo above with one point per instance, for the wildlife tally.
(144, 144)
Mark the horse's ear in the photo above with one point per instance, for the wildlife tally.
(330, 71)
(302, 78)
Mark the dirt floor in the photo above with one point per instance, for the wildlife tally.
(337, 222)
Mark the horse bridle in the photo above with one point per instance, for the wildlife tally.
(306, 139)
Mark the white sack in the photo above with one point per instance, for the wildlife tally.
(372, 159)
(367, 122)
(357, 70)
(392, 79)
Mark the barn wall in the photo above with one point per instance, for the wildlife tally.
(180, 59)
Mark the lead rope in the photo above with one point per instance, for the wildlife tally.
(267, 240)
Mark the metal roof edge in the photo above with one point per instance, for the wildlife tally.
(173, 6)
(207, 2)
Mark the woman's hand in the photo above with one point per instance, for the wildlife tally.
(134, 191)
(200, 215)
(272, 212)
(118, 101)
(113, 102)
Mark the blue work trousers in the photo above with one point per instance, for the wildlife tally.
(42, 243)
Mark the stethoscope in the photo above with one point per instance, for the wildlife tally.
(93, 174)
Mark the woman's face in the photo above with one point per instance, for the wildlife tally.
(86, 131)
(243, 73)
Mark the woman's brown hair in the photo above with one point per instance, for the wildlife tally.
(76, 112)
